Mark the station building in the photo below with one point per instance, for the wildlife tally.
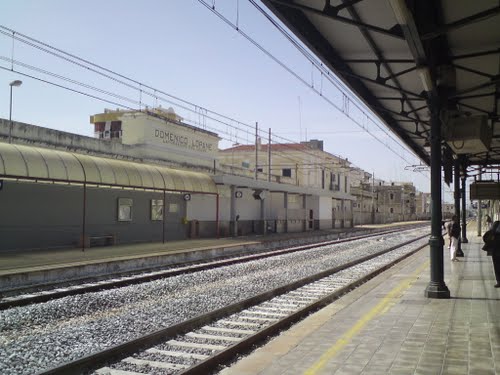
(147, 176)
(63, 190)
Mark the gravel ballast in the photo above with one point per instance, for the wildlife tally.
(41, 336)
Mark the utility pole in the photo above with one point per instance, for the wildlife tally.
(373, 198)
(256, 147)
(269, 157)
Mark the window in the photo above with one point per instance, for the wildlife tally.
(259, 170)
(286, 172)
(392, 196)
(392, 210)
(157, 209)
(124, 209)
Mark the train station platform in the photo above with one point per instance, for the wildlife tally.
(20, 268)
(388, 326)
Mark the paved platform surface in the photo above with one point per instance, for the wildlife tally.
(32, 260)
(388, 326)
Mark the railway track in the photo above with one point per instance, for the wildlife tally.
(29, 296)
(200, 344)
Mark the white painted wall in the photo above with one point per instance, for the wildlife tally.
(247, 207)
(202, 207)
(325, 208)
(276, 206)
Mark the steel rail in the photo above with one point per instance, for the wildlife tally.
(10, 302)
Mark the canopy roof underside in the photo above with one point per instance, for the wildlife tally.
(381, 48)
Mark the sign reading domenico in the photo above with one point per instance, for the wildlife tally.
(184, 141)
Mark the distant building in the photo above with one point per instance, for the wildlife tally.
(395, 201)
(423, 205)
(362, 187)
(305, 165)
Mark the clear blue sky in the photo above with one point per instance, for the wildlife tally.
(182, 48)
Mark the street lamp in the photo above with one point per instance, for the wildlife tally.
(15, 83)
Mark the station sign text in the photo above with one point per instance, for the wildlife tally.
(183, 141)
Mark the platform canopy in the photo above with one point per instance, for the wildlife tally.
(41, 164)
(393, 53)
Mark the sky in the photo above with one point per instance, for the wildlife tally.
(181, 48)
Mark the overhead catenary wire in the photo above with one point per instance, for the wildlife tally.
(298, 77)
(71, 58)
(285, 156)
(321, 67)
(239, 30)
(139, 86)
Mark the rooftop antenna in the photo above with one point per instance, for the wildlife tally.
(300, 120)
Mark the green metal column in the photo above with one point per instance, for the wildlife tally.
(456, 195)
(464, 213)
(437, 287)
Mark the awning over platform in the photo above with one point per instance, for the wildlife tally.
(275, 187)
(393, 53)
(18, 161)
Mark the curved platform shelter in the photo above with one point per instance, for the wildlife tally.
(57, 199)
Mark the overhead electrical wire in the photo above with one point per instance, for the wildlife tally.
(44, 47)
(309, 57)
(81, 63)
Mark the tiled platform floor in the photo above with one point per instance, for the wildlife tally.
(388, 326)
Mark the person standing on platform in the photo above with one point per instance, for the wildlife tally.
(488, 222)
(454, 233)
(447, 226)
(492, 245)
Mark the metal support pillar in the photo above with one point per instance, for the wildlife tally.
(232, 212)
(285, 205)
(84, 220)
(306, 215)
(163, 216)
(479, 218)
(456, 194)
(217, 216)
(464, 214)
(437, 287)
(263, 215)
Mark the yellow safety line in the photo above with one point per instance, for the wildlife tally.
(380, 308)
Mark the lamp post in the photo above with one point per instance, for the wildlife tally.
(15, 83)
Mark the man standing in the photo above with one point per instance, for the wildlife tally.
(492, 245)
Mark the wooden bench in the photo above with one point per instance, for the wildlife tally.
(99, 240)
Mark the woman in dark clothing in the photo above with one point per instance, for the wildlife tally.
(492, 245)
